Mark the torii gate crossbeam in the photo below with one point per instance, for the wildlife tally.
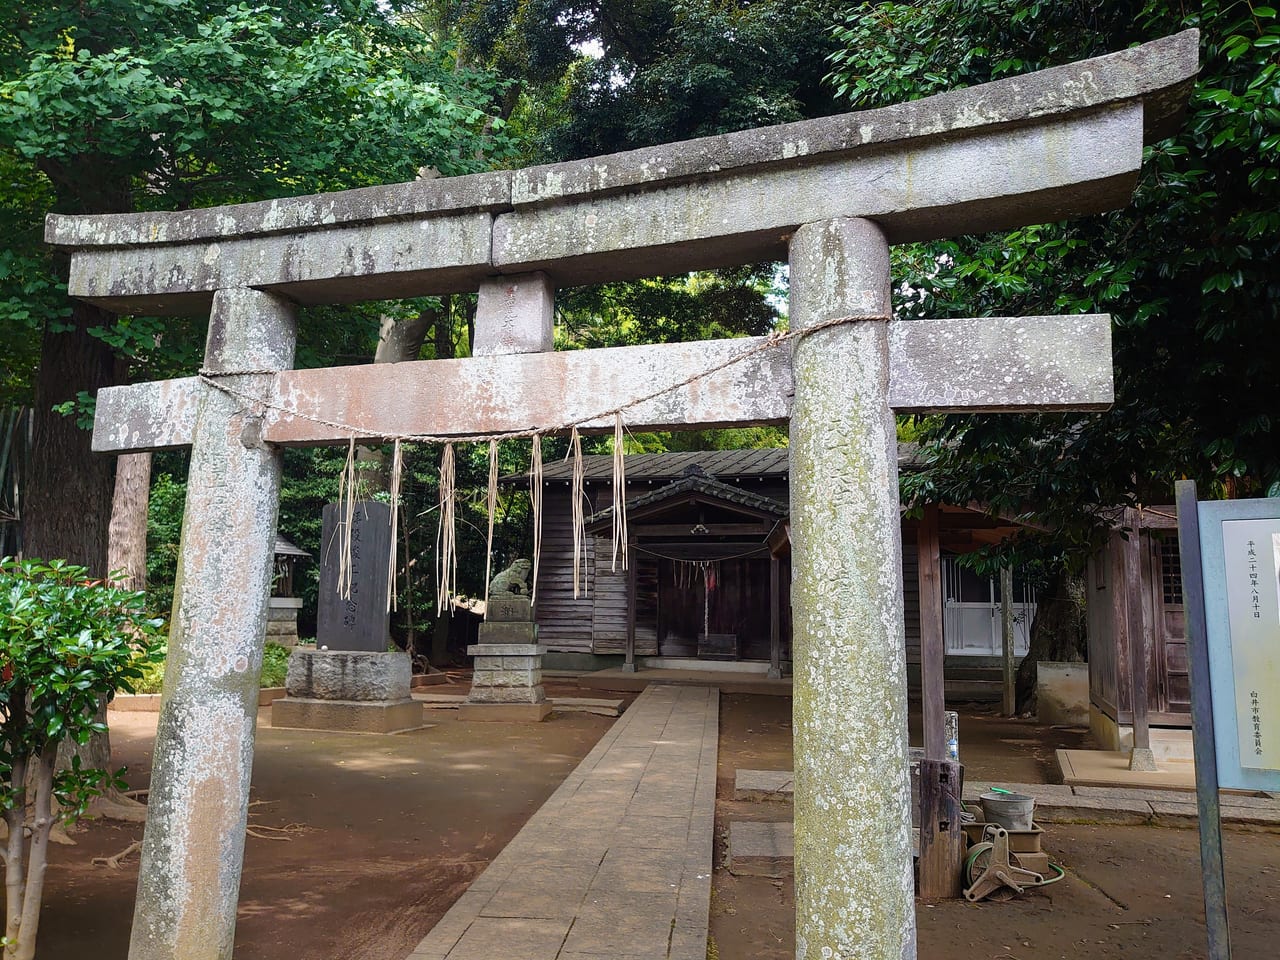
(830, 195)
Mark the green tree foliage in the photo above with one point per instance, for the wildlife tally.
(65, 641)
(1187, 271)
(657, 71)
(118, 105)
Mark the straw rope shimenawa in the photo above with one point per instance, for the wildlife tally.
(446, 539)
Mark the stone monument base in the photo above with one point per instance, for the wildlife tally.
(347, 716)
(350, 691)
(506, 682)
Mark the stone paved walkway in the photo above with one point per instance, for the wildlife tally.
(617, 863)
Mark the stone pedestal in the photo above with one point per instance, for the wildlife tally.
(506, 683)
(354, 691)
(282, 620)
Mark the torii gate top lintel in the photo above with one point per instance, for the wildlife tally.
(1060, 142)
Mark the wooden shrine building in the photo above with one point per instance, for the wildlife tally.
(1138, 667)
(709, 567)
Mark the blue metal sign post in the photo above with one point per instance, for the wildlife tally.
(1230, 552)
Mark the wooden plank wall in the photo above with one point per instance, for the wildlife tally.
(564, 623)
(911, 600)
(609, 614)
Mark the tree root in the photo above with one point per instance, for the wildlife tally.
(263, 832)
(114, 861)
(119, 807)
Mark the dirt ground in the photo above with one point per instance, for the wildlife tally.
(1130, 892)
(385, 833)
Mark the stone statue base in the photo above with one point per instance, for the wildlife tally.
(506, 682)
(350, 691)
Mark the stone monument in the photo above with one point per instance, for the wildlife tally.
(506, 683)
(350, 680)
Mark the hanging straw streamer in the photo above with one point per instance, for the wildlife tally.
(619, 495)
(535, 503)
(579, 521)
(347, 508)
(491, 507)
(397, 465)
(446, 535)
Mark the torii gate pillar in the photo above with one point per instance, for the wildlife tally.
(189, 878)
(854, 887)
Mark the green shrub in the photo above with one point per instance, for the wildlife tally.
(66, 641)
(275, 663)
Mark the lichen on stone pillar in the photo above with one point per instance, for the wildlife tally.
(854, 884)
(193, 847)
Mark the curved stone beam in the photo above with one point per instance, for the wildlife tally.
(1061, 142)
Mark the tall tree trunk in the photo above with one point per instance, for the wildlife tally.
(127, 556)
(68, 490)
(1057, 634)
(127, 532)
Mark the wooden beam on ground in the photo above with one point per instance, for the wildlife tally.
(988, 363)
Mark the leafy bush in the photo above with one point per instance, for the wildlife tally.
(275, 663)
(65, 642)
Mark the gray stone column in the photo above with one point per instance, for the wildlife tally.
(193, 848)
(854, 888)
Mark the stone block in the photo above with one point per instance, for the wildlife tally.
(1062, 693)
(508, 632)
(506, 678)
(347, 716)
(764, 785)
(514, 314)
(1042, 793)
(505, 712)
(1093, 810)
(508, 609)
(348, 675)
(761, 849)
(506, 695)
(508, 663)
(505, 649)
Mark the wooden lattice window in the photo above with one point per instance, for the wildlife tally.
(1170, 572)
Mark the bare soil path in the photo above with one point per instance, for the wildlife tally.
(385, 833)
(1131, 892)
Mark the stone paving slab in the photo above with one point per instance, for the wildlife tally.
(761, 849)
(617, 863)
(601, 707)
(763, 785)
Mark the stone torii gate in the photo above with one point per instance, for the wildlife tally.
(830, 195)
